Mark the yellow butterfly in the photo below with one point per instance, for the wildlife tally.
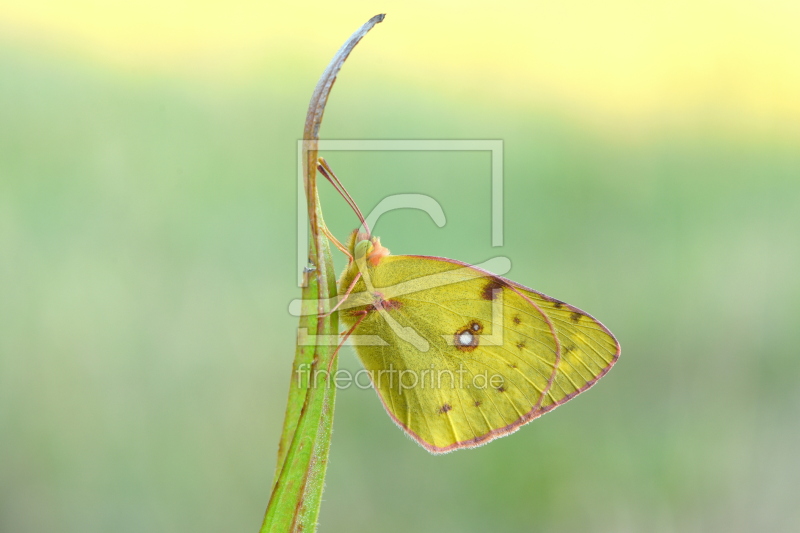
(457, 355)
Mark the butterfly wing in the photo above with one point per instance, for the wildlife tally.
(467, 356)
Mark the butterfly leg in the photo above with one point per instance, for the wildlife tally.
(344, 297)
(345, 336)
(335, 241)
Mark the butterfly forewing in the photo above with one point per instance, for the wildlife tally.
(468, 356)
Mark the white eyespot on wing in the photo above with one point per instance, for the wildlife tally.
(466, 338)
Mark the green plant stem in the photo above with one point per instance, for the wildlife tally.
(305, 440)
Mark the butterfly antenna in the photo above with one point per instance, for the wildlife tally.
(326, 171)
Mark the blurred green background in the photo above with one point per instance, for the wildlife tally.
(148, 245)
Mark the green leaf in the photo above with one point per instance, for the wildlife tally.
(305, 440)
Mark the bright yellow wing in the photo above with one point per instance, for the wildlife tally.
(465, 356)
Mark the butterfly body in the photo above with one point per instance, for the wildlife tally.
(460, 356)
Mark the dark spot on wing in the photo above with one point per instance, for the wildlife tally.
(569, 348)
(512, 365)
(443, 409)
(390, 305)
(558, 304)
(576, 316)
(477, 403)
(489, 290)
(520, 345)
(517, 320)
(501, 389)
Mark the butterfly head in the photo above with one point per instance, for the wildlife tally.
(366, 246)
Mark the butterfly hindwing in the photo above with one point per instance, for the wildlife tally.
(467, 356)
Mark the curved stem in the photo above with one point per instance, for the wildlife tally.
(305, 440)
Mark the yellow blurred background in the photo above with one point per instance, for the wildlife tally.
(147, 255)
(620, 61)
